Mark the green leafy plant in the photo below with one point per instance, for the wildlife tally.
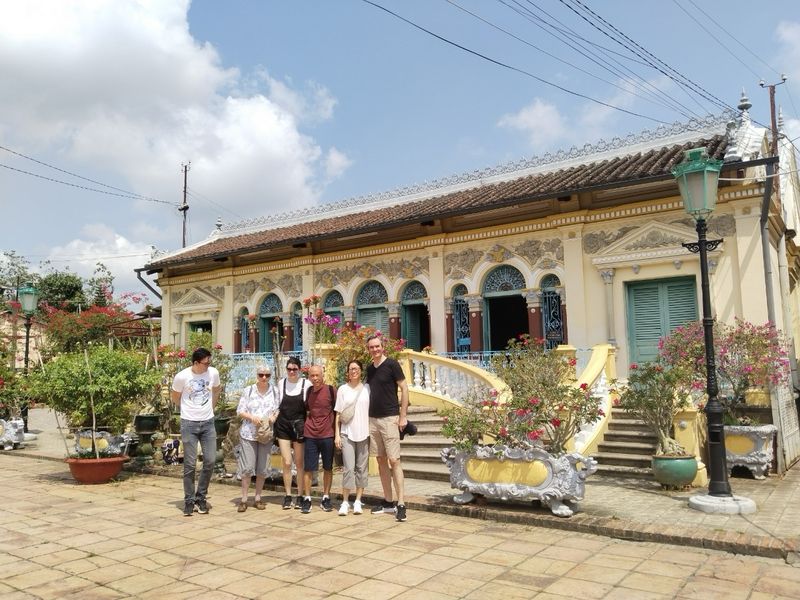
(655, 393)
(545, 407)
(351, 344)
(109, 386)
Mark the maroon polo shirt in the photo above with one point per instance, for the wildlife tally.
(319, 415)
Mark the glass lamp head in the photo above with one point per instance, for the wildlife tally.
(698, 178)
(28, 298)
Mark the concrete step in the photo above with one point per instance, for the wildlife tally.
(643, 437)
(421, 456)
(626, 460)
(624, 472)
(627, 425)
(611, 447)
(425, 442)
(428, 471)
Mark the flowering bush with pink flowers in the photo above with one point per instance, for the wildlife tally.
(542, 406)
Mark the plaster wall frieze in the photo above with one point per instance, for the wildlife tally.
(722, 225)
(292, 285)
(654, 239)
(647, 255)
(547, 252)
(597, 240)
(460, 264)
(408, 268)
(498, 254)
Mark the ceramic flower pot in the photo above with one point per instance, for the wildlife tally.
(674, 471)
(95, 470)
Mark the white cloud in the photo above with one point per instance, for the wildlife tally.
(100, 243)
(540, 121)
(122, 87)
(336, 163)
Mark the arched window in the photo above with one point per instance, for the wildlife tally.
(504, 278)
(461, 332)
(371, 308)
(552, 316)
(414, 321)
(270, 324)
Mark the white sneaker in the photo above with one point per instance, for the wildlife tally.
(344, 509)
(357, 510)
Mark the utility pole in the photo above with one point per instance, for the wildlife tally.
(774, 123)
(185, 206)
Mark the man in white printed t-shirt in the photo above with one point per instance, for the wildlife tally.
(196, 390)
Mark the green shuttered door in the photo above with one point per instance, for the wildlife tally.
(654, 309)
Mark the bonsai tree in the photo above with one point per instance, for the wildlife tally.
(545, 407)
(655, 393)
(97, 387)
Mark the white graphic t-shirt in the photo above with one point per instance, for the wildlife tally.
(195, 389)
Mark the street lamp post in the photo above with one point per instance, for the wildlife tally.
(698, 177)
(28, 298)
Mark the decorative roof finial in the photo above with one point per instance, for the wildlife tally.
(780, 118)
(744, 102)
(219, 224)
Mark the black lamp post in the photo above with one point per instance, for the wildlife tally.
(28, 298)
(698, 177)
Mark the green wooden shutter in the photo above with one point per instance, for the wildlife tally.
(411, 327)
(654, 309)
(374, 317)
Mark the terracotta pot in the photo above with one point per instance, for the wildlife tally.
(93, 470)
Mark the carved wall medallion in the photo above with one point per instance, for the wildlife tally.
(291, 285)
(498, 254)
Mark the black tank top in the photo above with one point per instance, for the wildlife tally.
(293, 407)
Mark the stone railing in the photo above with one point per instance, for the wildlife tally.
(441, 382)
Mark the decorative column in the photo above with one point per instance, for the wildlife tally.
(608, 279)
(394, 320)
(253, 341)
(215, 326)
(177, 335)
(287, 345)
(349, 316)
(449, 325)
(237, 335)
(533, 300)
(475, 304)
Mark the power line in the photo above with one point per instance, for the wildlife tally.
(83, 187)
(567, 36)
(196, 194)
(512, 68)
(62, 258)
(683, 82)
(132, 194)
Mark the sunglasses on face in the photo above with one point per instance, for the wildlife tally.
(292, 369)
(264, 374)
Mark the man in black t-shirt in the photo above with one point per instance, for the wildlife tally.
(387, 418)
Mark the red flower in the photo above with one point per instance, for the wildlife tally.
(584, 386)
(521, 412)
(633, 367)
(493, 393)
(534, 435)
(573, 362)
(533, 401)
(555, 421)
(503, 432)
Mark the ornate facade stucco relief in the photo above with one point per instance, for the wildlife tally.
(216, 292)
(597, 240)
(407, 268)
(291, 285)
(654, 239)
(721, 225)
(546, 253)
(458, 265)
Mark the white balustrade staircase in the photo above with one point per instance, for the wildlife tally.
(627, 447)
(421, 453)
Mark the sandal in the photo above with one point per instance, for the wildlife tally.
(242, 507)
(259, 504)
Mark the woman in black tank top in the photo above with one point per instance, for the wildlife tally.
(289, 427)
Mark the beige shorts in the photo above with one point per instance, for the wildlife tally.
(384, 437)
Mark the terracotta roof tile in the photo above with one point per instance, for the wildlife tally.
(631, 168)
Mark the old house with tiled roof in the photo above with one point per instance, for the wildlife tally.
(580, 247)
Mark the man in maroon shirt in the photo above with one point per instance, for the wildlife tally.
(318, 433)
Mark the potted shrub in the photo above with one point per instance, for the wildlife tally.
(95, 389)
(655, 393)
(513, 443)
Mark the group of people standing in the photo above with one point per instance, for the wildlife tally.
(308, 420)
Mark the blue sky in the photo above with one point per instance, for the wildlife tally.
(281, 105)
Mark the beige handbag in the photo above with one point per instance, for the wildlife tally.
(350, 410)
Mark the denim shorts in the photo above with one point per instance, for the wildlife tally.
(315, 447)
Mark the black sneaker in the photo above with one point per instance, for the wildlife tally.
(203, 507)
(287, 502)
(384, 507)
(326, 504)
(400, 512)
(298, 502)
(305, 505)
(188, 508)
